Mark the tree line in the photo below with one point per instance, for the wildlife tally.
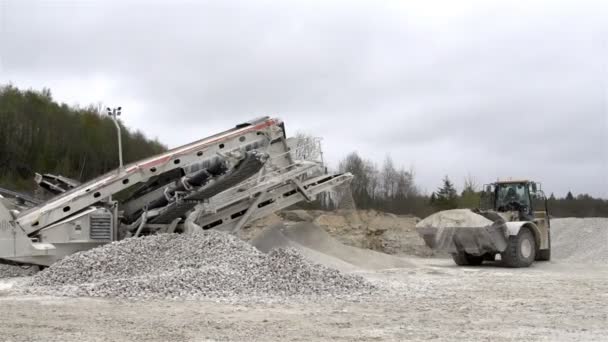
(393, 189)
(37, 134)
(582, 205)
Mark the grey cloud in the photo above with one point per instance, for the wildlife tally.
(476, 88)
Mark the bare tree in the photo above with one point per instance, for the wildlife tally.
(470, 184)
(405, 184)
(373, 186)
(307, 147)
(365, 180)
(389, 178)
(470, 197)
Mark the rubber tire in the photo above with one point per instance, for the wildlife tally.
(512, 256)
(489, 257)
(464, 259)
(545, 254)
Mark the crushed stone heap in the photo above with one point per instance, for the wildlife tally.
(580, 240)
(207, 264)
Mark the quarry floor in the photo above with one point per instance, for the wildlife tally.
(436, 300)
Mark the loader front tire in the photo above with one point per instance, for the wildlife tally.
(465, 259)
(521, 250)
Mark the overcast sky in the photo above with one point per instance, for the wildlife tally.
(486, 88)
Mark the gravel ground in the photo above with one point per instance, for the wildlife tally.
(562, 300)
(436, 300)
(7, 271)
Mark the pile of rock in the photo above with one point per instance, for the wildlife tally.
(370, 229)
(580, 240)
(208, 264)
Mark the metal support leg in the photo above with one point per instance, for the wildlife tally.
(144, 218)
(115, 222)
(172, 225)
(301, 189)
(189, 225)
(252, 208)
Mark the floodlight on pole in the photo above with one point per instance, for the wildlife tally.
(114, 113)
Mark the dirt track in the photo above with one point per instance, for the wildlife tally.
(548, 302)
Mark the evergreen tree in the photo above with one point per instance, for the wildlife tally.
(432, 199)
(569, 196)
(446, 195)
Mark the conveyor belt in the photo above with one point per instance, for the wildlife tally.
(14, 194)
(249, 166)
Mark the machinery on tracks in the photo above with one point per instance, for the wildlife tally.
(512, 221)
(220, 182)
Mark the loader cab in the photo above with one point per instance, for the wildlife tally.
(512, 197)
(523, 196)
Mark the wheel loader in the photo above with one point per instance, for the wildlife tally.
(512, 221)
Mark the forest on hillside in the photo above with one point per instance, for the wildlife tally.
(38, 134)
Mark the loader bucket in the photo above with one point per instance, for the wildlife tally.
(462, 230)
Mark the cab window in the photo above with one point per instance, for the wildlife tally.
(509, 193)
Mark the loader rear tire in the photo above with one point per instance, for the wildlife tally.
(521, 250)
(544, 255)
(465, 259)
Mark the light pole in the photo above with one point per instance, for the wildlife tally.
(114, 113)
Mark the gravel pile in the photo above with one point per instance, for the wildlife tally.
(208, 264)
(8, 271)
(580, 240)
